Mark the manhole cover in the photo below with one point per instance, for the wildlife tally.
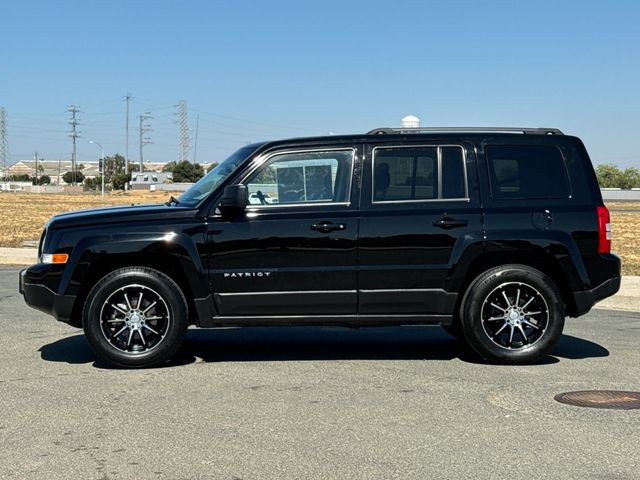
(601, 399)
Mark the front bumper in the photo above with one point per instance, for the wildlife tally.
(42, 298)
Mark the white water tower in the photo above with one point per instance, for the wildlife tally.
(410, 121)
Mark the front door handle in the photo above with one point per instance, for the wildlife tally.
(326, 227)
(448, 223)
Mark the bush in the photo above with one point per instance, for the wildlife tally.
(42, 180)
(92, 183)
(68, 177)
(19, 178)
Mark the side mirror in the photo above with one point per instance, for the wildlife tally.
(234, 200)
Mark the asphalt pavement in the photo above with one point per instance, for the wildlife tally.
(313, 403)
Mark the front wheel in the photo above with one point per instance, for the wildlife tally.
(135, 317)
(512, 314)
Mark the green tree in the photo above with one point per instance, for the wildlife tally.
(169, 166)
(118, 181)
(113, 165)
(608, 176)
(43, 180)
(629, 178)
(187, 172)
(212, 166)
(68, 177)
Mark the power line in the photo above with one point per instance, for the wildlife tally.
(74, 134)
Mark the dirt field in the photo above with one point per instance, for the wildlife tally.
(25, 214)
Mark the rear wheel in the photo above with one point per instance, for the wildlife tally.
(512, 314)
(135, 317)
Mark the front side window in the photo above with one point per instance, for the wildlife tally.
(207, 184)
(304, 177)
(522, 172)
(418, 173)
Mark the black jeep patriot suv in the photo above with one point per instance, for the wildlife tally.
(495, 234)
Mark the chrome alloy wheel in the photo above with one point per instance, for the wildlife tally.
(514, 315)
(134, 319)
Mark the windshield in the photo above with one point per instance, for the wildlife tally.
(207, 184)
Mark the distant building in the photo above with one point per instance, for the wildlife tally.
(55, 169)
(143, 181)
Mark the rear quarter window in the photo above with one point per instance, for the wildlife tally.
(527, 171)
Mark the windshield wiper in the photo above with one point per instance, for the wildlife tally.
(172, 200)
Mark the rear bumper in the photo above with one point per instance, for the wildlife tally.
(588, 298)
(42, 298)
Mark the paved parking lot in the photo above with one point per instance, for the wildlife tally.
(298, 403)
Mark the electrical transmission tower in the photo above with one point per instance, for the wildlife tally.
(74, 134)
(145, 127)
(4, 143)
(183, 125)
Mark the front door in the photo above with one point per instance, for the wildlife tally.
(293, 253)
(420, 209)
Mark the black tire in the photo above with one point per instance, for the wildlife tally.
(148, 310)
(512, 314)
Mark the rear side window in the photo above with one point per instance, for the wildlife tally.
(524, 171)
(405, 174)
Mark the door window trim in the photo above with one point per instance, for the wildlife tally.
(265, 158)
(439, 148)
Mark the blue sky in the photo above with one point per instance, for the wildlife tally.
(273, 69)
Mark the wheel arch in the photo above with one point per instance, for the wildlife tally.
(99, 266)
(540, 260)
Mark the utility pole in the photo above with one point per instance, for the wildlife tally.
(195, 142)
(74, 134)
(35, 157)
(127, 99)
(144, 128)
(183, 125)
(4, 142)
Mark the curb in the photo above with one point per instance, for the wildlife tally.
(628, 298)
(18, 256)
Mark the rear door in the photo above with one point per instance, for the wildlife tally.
(294, 252)
(420, 209)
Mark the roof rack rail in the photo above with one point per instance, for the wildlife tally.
(537, 131)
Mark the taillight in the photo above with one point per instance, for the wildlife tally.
(604, 230)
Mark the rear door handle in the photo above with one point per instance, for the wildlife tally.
(326, 227)
(448, 223)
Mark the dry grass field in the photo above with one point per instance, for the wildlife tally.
(24, 215)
